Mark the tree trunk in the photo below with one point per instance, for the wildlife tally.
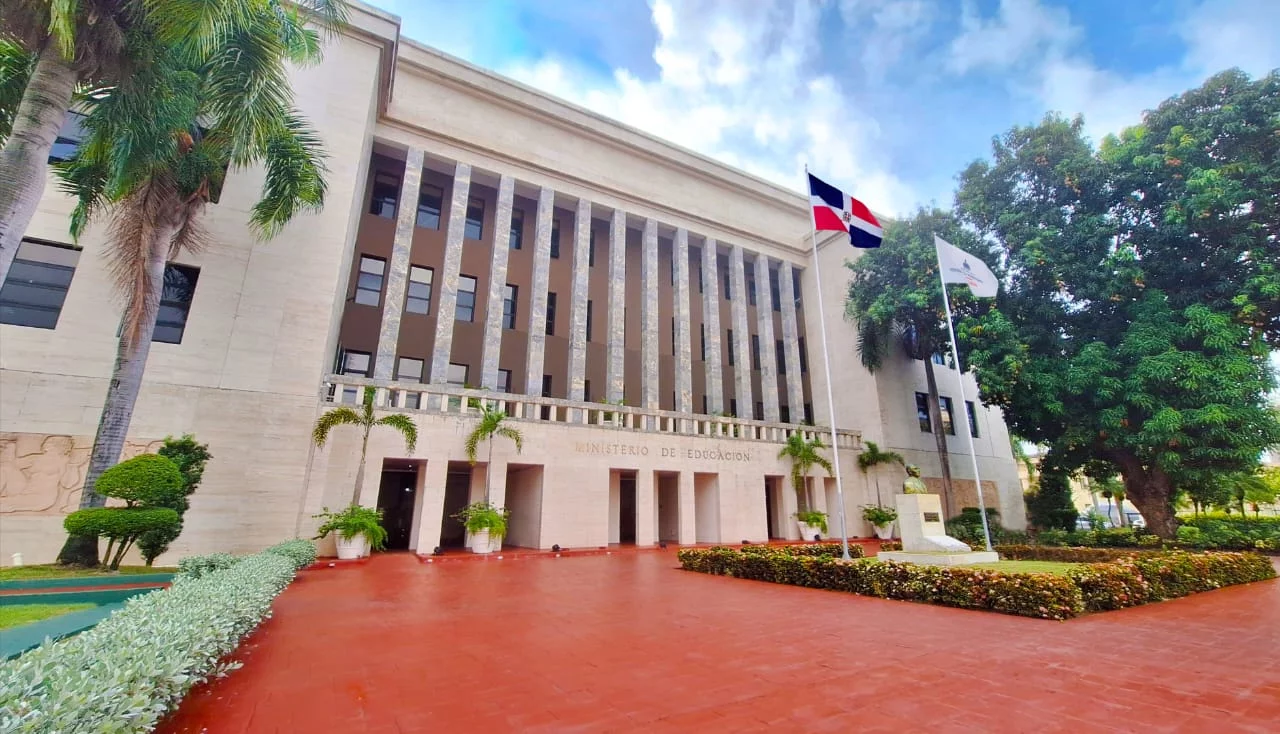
(488, 470)
(1151, 491)
(122, 393)
(364, 448)
(26, 153)
(940, 436)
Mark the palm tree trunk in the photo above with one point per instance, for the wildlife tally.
(364, 448)
(488, 471)
(26, 153)
(940, 436)
(879, 503)
(122, 394)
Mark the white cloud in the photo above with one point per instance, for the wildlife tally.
(1020, 29)
(1221, 34)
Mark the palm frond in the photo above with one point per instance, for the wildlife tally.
(62, 26)
(294, 183)
(821, 461)
(16, 64)
(472, 443)
(138, 225)
(405, 425)
(873, 340)
(512, 435)
(343, 416)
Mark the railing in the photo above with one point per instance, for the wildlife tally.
(453, 400)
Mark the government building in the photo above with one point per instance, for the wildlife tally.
(648, 317)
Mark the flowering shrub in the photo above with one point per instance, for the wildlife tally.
(129, 671)
(1061, 555)
(1149, 577)
(815, 549)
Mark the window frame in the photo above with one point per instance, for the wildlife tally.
(924, 415)
(410, 298)
(510, 305)
(193, 275)
(457, 303)
(381, 276)
(424, 210)
(48, 285)
(472, 223)
(384, 178)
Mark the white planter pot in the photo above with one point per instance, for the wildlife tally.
(351, 549)
(484, 542)
(884, 532)
(808, 531)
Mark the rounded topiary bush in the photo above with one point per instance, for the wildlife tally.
(147, 480)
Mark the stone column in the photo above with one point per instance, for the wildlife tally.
(768, 347)
(398, 268)
(741, 335)
(431, 480)
(711, 323)
(538, 292)
(791, 342)
(649, 317)
(448, 282)
(683, 347)
(497, 284)
(646, 508)
(578, 315)
(688, 534)
(617, 304)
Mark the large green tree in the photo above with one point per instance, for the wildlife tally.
(1140, 294)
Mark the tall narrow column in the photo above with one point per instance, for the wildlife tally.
(791, 343)
(741, 335)
(497, 284)
(649, 316)
(538, 292)
(449, 277)
(578, 315)
(768, 347)
(398, 268)
(711, 325)
(617, 305)
(684, 357)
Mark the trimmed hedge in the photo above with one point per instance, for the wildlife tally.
(128, 672)
(1142, 578)
(811, 550)
(1062, 554)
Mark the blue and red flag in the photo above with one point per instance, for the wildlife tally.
(836, 211)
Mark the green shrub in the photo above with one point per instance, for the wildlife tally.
(122, 526)
(813, 519)
(193, 567)
(1149, 540)
(1053, 537)
(190, 457)
(879, 516)
(301, 552)
(483, 516)
(1143, 578)
(149, 480)
(352, 521)
(1231, 532)
(831, 550)
(1061, 554)
(1049, 505)
(1116, 538)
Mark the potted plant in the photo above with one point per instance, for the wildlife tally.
(881, 518)
(813, 524)
(486, 524)
(356, 530)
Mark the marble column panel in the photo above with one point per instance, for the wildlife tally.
(741, 335)
(768, 345)
(578, 313)
(711, 324)
(684, 347)
(538, 292)
(448, 281)
(497, 284)
(617, 306)
(791, 342)
(649, 316)
(398, 267)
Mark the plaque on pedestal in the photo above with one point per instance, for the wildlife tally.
(924, 537)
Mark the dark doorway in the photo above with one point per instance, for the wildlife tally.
(771, 510)
(457, 493)
(627, 508)
(395, 498)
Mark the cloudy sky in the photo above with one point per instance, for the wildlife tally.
(888, 98)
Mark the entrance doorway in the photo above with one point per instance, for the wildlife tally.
(457, 494)
(773, 508)
(668, 506)
(627, 508)
(396, 495)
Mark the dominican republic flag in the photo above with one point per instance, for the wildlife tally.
(835, 210)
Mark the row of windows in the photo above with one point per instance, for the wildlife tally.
(948, 417)
(36, 288)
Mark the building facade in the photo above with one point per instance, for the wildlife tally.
(647, 317)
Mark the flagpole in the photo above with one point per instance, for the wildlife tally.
(955, 355)
(826, 361)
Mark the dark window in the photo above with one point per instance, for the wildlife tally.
(588, 320)
(728, 285)
(555, 238)
(475, 219)
(939, 359)
(755, 351)
(804, 356)
(504, 380)
(591, 250)
(922, 412)
(703, 337)
(948, 417)
(784, 413)
(546, 393)
(750, 272)
(509, 293)
(782, 358)
(175, 303)
(34, 291)
(704, 405)
(551, 314)
(465, 310)
(70, 135)
(586, 390)
(356, 364)
(457, 374)
(418, 295)
(517, 229)
(729, 343)
(808, 413)
(973, 418)
(733, 407)
(759, 414)
(386, 192)
(672, 264)
(673, 335)
(429, 199)
(695, 262)
(369, 280)
(774, 291)
(795, 285)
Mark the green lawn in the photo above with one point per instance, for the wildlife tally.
(19, 614)
(1054, 567)
(51, 571)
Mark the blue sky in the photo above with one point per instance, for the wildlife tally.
(886, 98)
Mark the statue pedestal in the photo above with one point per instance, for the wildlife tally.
(924, 537)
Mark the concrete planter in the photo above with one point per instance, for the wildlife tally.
(808, 531)
(884, 532)
(350, 549)
(484, 542)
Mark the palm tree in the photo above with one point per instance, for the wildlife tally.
(159, 144)
(873, 457)
(492, 423)
(804, 456)
(365, 419)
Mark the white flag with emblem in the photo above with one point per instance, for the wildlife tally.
(959, 266)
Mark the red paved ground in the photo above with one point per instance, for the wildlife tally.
(626, 642)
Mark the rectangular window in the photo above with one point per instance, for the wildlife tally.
(356, 364)
(555, 238)
(781, 356)
(475, 219)
(409, 370)
(784, 413)
(175, 303)
(418, 294)
(457, 374)
(728, 285)
(551, 314)
(588, 320)
(509, 293)
(973, 417)
(939, 359)
(703, 337)
(731, 350)
(795, 285)
(591, 250)
(70, 135)
(369, 280)
(804, 356)
(695, 262)
(774, 292)
(759, 414)
(546, 393)
(517, 229)
(733, 407)
(586, 390)
(34, 291)
(504, 380)
(755, 351)
(922, 413)
(385, 194)
(948, 417)
(750, 272)
(808, 413)
(429, 202)
(673, 335)
(466, 306)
